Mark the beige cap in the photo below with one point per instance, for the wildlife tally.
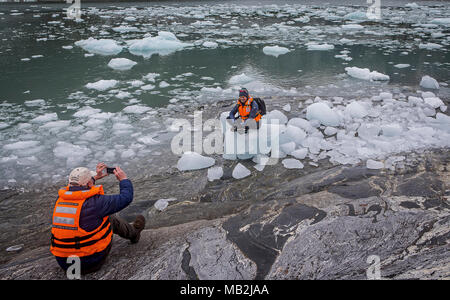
(81, 176)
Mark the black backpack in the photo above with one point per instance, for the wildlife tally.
(261, 105)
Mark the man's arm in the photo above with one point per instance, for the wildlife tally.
(111, 204)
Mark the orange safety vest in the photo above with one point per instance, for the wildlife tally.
(67, 236)
(244, 110)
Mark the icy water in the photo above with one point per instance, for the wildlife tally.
(52, 119)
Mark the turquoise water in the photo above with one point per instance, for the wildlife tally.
(194, 74)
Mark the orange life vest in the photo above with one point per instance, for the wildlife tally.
(245, 109)
(67, 236)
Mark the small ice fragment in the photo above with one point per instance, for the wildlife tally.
(373, 164)
(15, 248)
(215, 173)
(121, 64)
(102, 85)
(275, 50)
(194, 161)
(429, 82)
(290, 163)
(240, 171)
(162, 204)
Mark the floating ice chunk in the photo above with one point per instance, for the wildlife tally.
(162, 204)
(163, 44)
(412, 5)
(391, 130)
(45, 118)
(441, 21)
(287, 107)
(151, 77)
(429, 82)
(102, 46)
(136, 83)
(357, 15)
(124, 29)
(402, 66)
(148, 87)
(434, 102)
(303, 19)
(275, 50)
(136, 109)
(74, 154)
(102, 85)
(163, 84)
(121, 64)
(148, 140)
(209, 44)
(352, 27)
(356, 110)
(3, 125)
(276, 115)
(430, 46)
(240, 171)
(56, 124)
(215, 173)
(122, 95)
(129, 153)
(67, 47)
(194, 161)
(21, 145)
(365, 74)
(321, 112)
(317, 47)
(240, 79)
(290, 163)
(91, 136)
(86, 112)
(36, 102)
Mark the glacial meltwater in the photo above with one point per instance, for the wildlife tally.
(107, 87)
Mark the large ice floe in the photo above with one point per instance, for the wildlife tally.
(366, 74)
(101, 46)
(163, 44)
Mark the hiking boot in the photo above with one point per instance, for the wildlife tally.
(139, 224)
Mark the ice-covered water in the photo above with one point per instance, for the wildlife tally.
(108, 88)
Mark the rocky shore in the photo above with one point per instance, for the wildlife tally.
(323, 225)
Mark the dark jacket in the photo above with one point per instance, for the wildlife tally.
(93, 211)
(253, 111)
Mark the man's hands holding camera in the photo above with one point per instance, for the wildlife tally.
(101, 167)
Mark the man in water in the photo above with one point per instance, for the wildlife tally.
(248, 111)
(84, 221)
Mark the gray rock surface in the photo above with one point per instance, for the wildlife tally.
(321, 225)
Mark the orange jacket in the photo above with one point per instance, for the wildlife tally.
(67, 236)
(244, 109)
